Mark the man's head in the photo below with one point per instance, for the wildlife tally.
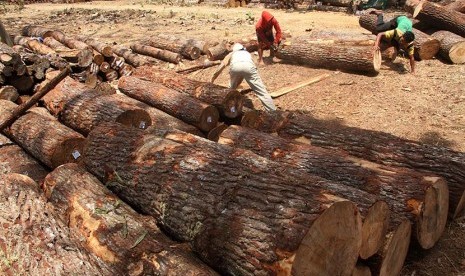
(237, 47)
(408, 37)
(266, 16)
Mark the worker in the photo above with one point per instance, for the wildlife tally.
(265, 37)
(242, 67)
(4, 36)
(398, 32)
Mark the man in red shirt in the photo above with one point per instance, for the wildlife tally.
(265, 37)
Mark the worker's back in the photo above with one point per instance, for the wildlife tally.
(4, 36)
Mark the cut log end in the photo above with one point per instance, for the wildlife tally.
(428, 49)
(193, 53)
(334, 238)
(374, 229)
(214, 133)
(209, 118)
(457, 53)
(137, 118)
(233, 103)
(85, 58)
(377, 60)
(68, 152)
(397, 250)
(433, 217)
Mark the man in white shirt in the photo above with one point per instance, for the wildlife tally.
(243, 67)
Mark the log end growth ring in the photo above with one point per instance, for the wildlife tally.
(374, 229)
(397, 249)
(332, 244)
(68, 152)
(232, 104)
(457, 53)
(137, 118)
(209, 118)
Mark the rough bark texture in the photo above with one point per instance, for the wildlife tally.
(85, 111)
(160, 54)
(333, 56)
(82, 57)
(337, 3)
(32, 240)
(405, 191)
(374, 146)
(44, 137)
(228, 101)
(452, 46)
(458, 5)
(121, 238)
(33, 30)
(245, 215)
(34, 45)
(100, 47)
(131, 58)
(437, 16)
(185, 47)
(426, 47)
(14, 160)
(175, 103)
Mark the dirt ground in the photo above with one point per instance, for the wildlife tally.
(428, 106)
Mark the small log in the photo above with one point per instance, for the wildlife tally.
(34, 31)
(327, 8)
(85, 111)
(375, 146)
(177, 104)
(100, 47)
(8, 93)
(105, 67)
(218, 52)
(111, 75)
(452, 46)
(202, 45)
(34, 45)
(206, 64)
(131, 58)
(304, 229)
(13, 159)
(324, 55)
(121, 238)
(98, 58)
(228, 101)
(187, 50)
(438, 16)
(125, 70)
(44, 137)
(116, 62)
(34, 241)
(82, 57)
(160, 54)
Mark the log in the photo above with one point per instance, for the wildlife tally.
(375, 146)
(84, 112)
(408, 194)
(452, 47)
(82, 58)
(44, 137)
(131, 58)
(323, 55)
(33, 241)
(458, 5)
(187, 51)
(218, 52)
(121, 238)
(100, 47)
(13, 159)
(9, 57)
(437, 16)
(426, 47)
(34, 45)
(4, 141)
(160, 54)
(177, 104)
(85, 54)
(8, 93)
(228, 101)
(206, 64)
(255, 217)
(327, 8)
(34, 31)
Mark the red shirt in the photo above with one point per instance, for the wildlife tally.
(264, 28)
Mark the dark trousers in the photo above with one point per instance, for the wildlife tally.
(382, 26)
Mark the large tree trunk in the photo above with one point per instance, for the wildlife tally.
(181, 46)
(458, 5)
(437, 16)
(44, 137)
(33, 241)
(175, 103)
(375, 146)
(160, 54)
(332, 55)
(245, 215)
(452, 46)
(128, 242)
(131, 58)
(13, 159)
(426, 47)
(409, 194)
(228, 101)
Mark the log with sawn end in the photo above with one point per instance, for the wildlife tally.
(452, 46)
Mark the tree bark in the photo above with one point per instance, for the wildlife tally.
(33, 241)
(85, 55)
(10, 57)
(34, 45)
(452, 46)
(333, 56)
(458, 5)
(426, 47)
(218, 52)
(100, 47)
(408, 194)
(131, 58)
(437, 16)
(374, 146)
(185, 47)
(13, 159)
(8, 93)
(121, 238)
(160, 54)
(175, 103)
(228, 101)
(244, 214)
(82, 57)
(34, 31)
(44, 137)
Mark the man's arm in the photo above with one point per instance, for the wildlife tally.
(378, 40)
(412, 64)
(278, 31)
(225, 62)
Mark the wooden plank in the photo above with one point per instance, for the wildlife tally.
(287, 89)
